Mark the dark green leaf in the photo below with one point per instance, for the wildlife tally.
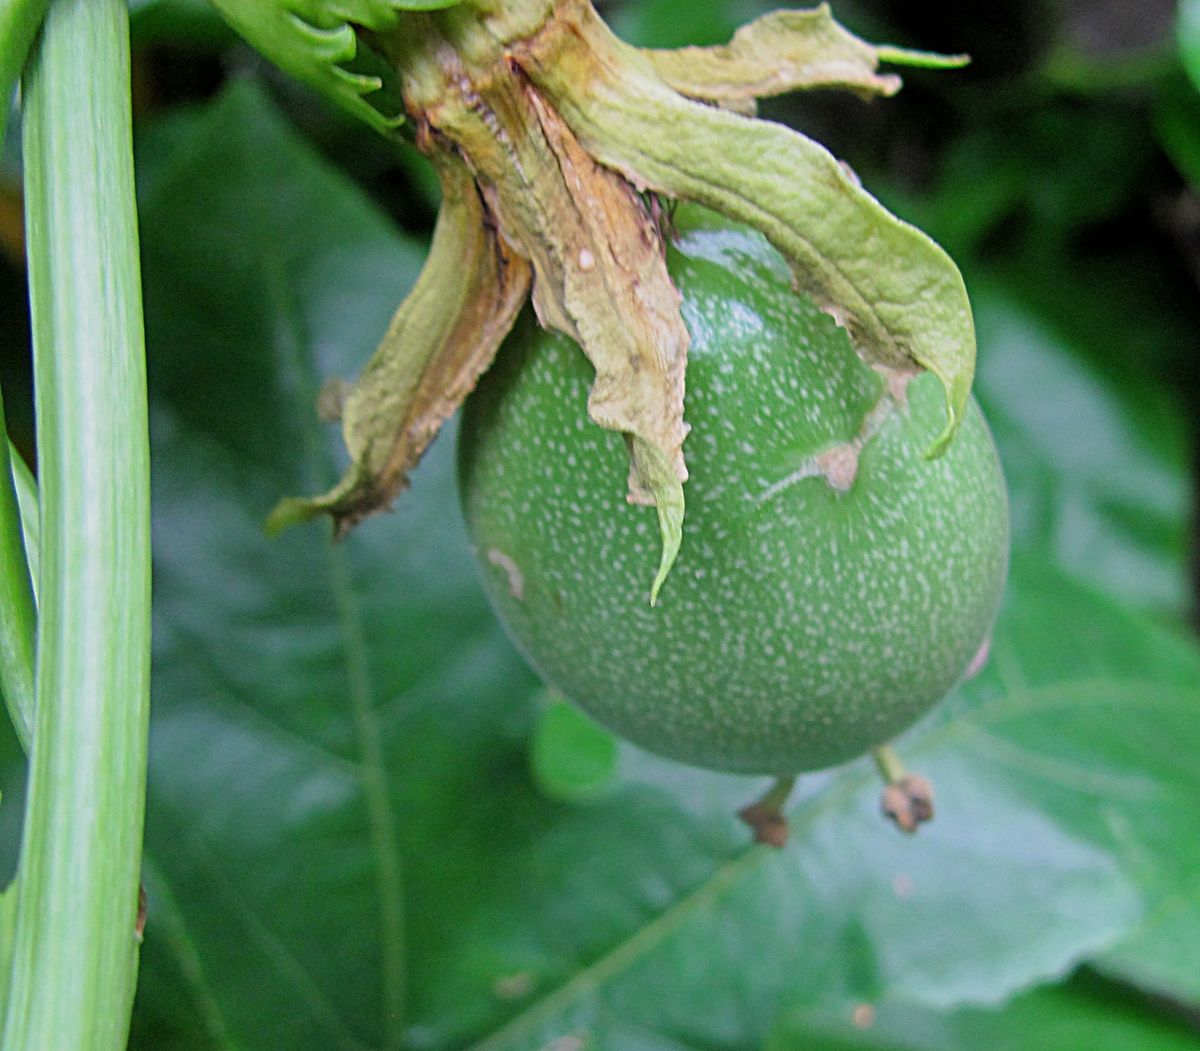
(1097, 469)
(189, 24)
(1028, 175)
(664, 23)
(1178, 125)
(1082, 1013)
(573, 757)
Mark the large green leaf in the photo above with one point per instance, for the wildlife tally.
(1082, 1013)
(1081, 352)
(1096, 463)
(343, 825)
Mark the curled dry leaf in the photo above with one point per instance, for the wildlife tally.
(598, 260)
(546, 129)
(897, 293)
(442, 337)
(623, 310)
(779, 52)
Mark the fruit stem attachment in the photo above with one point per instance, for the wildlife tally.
(766, 815)
(907, 799)
(889, 764)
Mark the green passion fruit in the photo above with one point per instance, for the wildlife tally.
(833, 582)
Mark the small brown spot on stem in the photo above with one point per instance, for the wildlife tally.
(766, 817)
(769, 826)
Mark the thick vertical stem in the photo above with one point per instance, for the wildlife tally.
(19, 21)
(74, 959)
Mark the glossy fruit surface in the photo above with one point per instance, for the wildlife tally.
(822, 600)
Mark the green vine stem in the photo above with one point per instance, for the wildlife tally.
(75, 949)
(18, 618)
(19, 21)
(889, 764)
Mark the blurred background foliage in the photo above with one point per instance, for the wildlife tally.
(369, 826)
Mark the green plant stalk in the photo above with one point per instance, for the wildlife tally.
(18, 618)
(19, 21)
(75, 950)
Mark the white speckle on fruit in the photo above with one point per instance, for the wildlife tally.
(587, 261)
(801, 625)
(979, 660)
(516, 580)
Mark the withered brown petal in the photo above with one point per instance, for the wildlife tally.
(780, 52)
(442, 337)
(897, 293)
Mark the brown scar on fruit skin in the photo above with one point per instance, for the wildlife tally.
(897, 381)
(838, 464)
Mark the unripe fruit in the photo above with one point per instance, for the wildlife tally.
(833, 583)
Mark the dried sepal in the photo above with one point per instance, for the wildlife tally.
(666, 491)
(616, 299)
(599, 265)
(898, 294)
(780, 52)
(440, 340)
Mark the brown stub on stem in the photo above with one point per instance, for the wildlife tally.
(766, 817)
(770, 826)
(908, 802)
